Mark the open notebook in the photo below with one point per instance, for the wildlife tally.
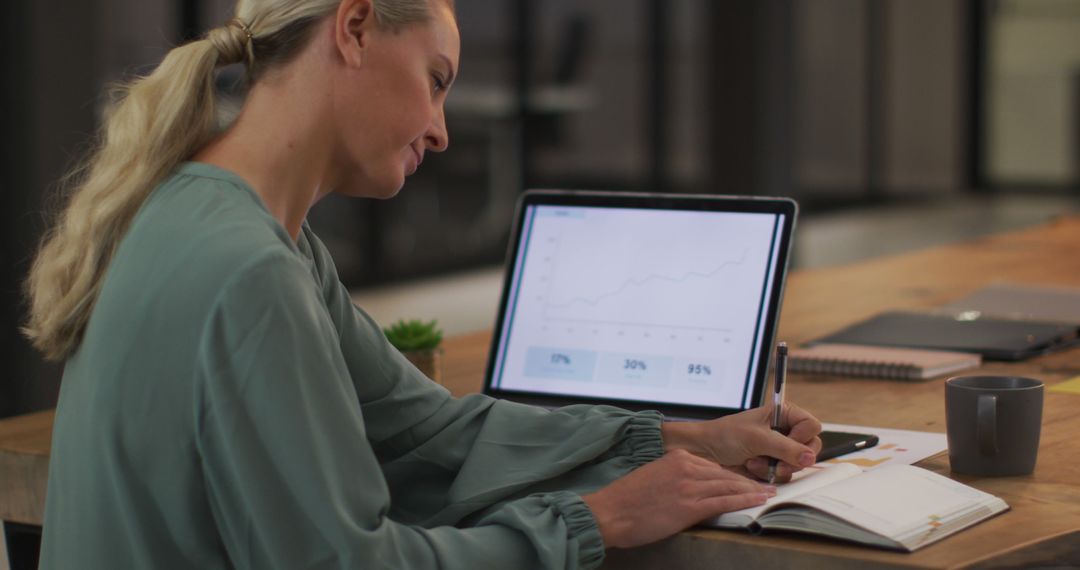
(899, 507)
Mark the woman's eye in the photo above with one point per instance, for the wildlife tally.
(438, 84)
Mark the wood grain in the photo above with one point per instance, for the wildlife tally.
(24, 466)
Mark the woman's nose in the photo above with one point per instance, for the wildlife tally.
(437, 139)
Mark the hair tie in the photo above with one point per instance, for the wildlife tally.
(238, 23)
(249, 42)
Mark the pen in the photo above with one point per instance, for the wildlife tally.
(778, 399)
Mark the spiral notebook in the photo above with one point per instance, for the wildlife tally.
(879, 361)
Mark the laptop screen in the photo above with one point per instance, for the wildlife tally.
(668, 304)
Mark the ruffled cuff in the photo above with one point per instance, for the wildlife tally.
(581, 528)
(643, 438)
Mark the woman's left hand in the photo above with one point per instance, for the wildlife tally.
(744, 442)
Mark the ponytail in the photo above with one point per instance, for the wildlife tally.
(158, 122)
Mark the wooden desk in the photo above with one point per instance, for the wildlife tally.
(1043, 527)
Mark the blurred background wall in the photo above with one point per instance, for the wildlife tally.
(838, 103)
(1033, 94)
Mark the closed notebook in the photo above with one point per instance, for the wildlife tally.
(879, 361)
(994, 338)
(900, 507)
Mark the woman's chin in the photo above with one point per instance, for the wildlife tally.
(380, 194)
(390, 193)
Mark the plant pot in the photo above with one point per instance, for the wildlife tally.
(427, 361)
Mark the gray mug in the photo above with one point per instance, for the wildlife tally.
(993, 424)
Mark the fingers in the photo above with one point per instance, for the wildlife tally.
(665, 496)
(786, 449)
(706, 470)
(721, 491)
(796, 422)
(709, 479)
(758, 467)
(740, 486)
(732, 440)
(803, 427)
(719, 505)
(798, 448)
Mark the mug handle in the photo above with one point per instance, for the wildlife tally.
(986, 429)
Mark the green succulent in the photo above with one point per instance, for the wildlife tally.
(414, 335)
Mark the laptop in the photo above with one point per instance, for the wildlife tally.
(995, 338)
(642, 301)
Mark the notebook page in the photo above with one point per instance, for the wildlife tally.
(896, 501)
(802, 482)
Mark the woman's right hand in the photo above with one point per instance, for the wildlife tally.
(668, 495)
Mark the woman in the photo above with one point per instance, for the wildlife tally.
(225, 405)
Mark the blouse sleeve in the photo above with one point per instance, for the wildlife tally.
(290, 470)
(447, 458)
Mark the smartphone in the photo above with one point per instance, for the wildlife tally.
(837, 443)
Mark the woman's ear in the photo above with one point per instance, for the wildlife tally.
(353, 26)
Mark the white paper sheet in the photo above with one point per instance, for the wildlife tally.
(895, 446)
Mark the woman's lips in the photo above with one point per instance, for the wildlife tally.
(418, 159)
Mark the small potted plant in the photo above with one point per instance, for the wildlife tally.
(419, 341)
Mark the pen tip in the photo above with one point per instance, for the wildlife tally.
(782, 348)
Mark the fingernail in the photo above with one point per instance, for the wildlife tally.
(770, 490)
(807, 459)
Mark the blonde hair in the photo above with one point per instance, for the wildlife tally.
(157, 122)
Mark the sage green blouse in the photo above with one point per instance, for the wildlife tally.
(229, 407)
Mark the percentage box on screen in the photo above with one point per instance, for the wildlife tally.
(561, 363)
(698, 372)
(637, 369)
